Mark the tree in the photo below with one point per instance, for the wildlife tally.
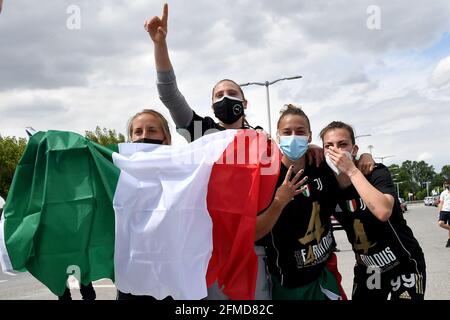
(440, 178)
(11, 150)
(412, 177)
(419, 172)
(437, 182)
(420, 195)
(445, 172)
(105, 136)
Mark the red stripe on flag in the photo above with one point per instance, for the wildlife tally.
(333, 268)
(236, 193)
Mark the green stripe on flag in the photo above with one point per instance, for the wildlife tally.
(64, 180)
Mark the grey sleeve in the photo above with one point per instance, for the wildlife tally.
(172, 98)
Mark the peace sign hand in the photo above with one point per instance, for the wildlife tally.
(157, 27)
(290, 188)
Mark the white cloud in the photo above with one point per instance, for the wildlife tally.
(441, 74)
(424, 156)
(395, 126)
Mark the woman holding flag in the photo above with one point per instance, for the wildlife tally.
(147, 126)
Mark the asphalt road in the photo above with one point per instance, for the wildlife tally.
(422, 220)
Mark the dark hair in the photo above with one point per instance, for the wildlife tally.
(156, 114)
(223, 80)
(338, 125)
(290, 109)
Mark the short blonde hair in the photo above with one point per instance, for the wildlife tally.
(164, 124)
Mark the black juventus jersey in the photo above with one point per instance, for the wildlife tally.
(378, 244)
(301, 241)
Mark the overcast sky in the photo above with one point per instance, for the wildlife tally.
(382, 66)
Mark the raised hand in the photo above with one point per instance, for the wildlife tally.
(290, 188)
(315, 154)
(157, 27)
(366, 163)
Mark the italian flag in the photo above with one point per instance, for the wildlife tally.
(307, 191)
(157, 220)
(351, 205)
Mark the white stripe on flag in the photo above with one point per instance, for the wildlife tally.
(330, 294)
(4, 257)
(163, 228)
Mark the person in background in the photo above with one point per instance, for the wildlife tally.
(444, 210)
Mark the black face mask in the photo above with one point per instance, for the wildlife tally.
(228, 110)
(146, 140)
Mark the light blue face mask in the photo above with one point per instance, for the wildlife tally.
(294, 147)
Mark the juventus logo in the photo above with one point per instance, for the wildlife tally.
(363, 205)
(319, 184)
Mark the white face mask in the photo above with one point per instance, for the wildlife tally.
(331, 164)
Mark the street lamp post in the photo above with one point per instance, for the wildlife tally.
(398, 188)
(267, 84)
(428, 183)
(370, 148)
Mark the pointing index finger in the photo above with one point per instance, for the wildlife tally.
(165, 15)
